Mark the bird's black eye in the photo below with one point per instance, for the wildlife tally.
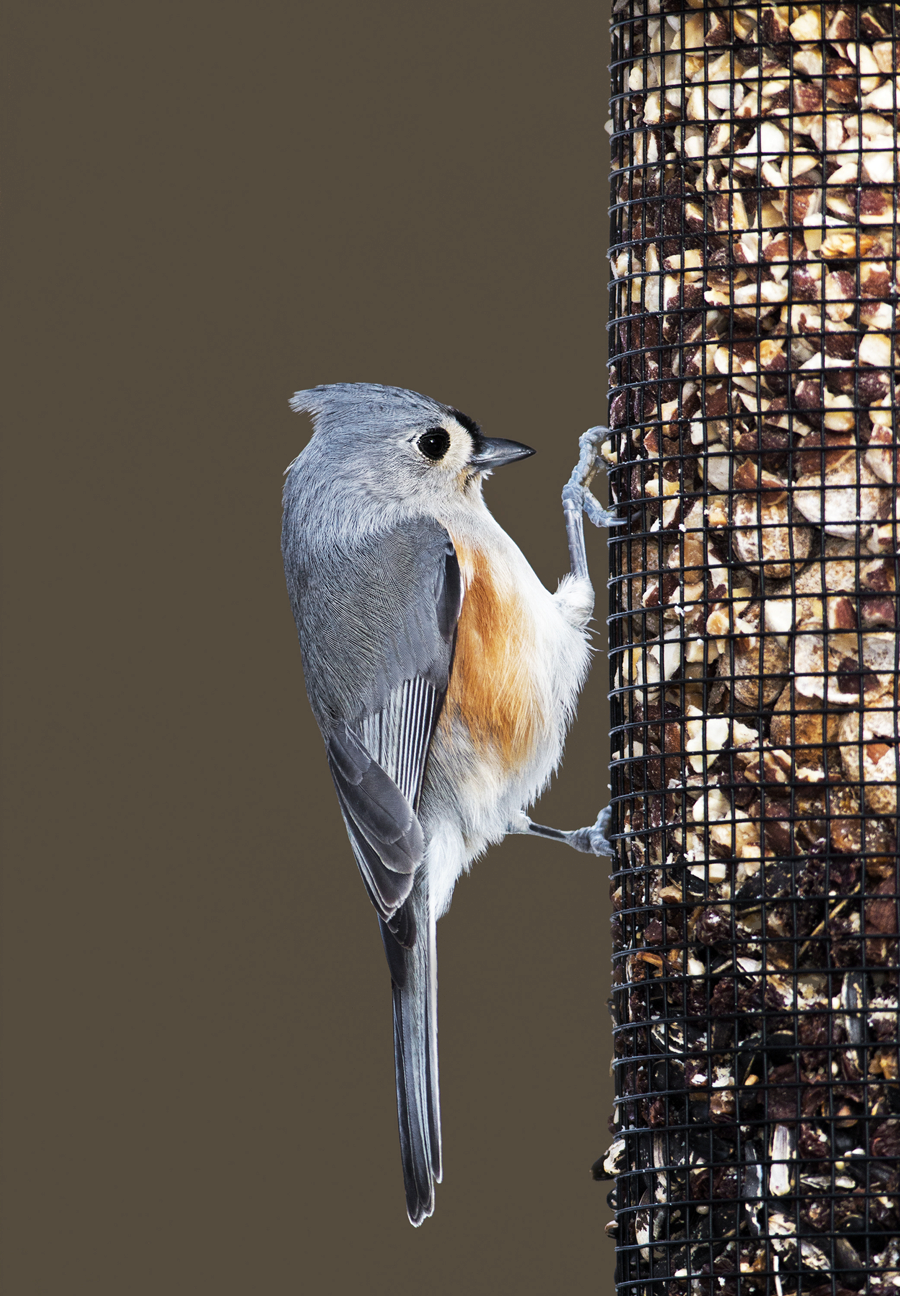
(434, 443)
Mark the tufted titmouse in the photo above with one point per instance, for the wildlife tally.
(442, 674)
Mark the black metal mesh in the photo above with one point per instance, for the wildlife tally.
(754, 453)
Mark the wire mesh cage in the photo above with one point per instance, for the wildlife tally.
(754, 657)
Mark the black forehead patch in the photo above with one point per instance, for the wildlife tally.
(468, 423)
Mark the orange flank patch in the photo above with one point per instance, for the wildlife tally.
(490, 688)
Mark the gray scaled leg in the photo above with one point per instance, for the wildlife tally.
(578, 500)
(593, 840)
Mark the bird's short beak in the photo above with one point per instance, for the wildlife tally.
(492, 452)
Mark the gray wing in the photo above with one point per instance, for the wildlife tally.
(377, 627)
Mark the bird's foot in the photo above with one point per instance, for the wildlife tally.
(594, 840)
(577, 493)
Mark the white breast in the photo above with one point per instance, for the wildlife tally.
(521, 658)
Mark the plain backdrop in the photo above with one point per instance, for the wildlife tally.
(206, 207)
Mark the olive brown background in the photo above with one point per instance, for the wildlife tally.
(207, 207)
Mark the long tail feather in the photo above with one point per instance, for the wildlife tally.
(415, 1056)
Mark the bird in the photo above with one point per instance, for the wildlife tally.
(442, 673)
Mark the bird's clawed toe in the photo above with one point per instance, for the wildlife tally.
(594, 840)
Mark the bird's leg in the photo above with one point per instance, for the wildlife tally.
(593, 840)
(578, 500)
